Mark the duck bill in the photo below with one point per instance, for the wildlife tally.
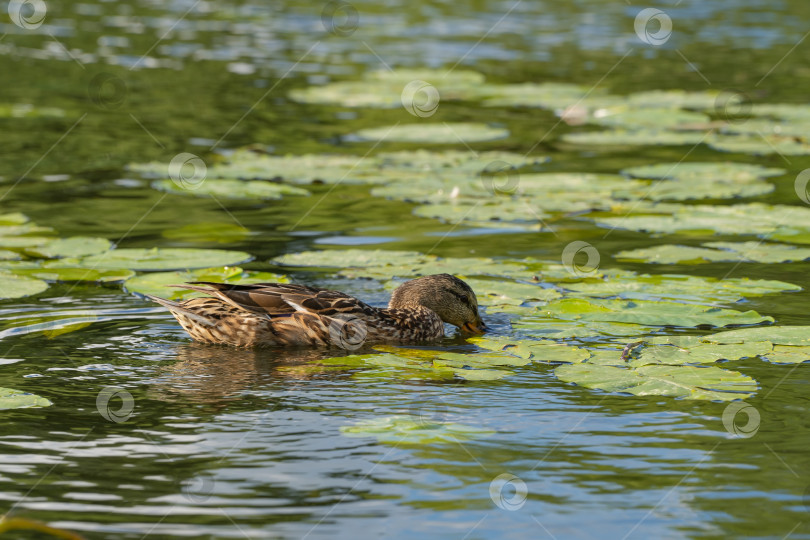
(471, 328)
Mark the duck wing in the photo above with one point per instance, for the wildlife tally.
(276, 299)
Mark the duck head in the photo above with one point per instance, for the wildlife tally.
(452, 300)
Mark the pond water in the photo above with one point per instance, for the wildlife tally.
(224, 443)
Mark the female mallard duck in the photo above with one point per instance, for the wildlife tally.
(281, 314)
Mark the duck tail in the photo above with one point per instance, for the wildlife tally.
(177, 308)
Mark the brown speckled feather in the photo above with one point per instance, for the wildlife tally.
(281, 314)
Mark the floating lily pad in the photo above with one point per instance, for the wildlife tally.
(499, 292)
(445, 133)
(688, 382)
(539, 350)
(752, 218)
(677, 287)
(759, 144)
(717, 252)
(674, 99)
(26, 110)
(653, 117)
(778, 335)
(232, 189)
(728, 172)
(638, 137)
(385, 89)
(165, 259)
(676, 353)
(225, 233)
(17, 399)
(76, 274)
(13, 286)
(648, 313)
(407, 429)
(550, 95)
(783, 354)
(158, 283)
(351, 257)
(545, 327)
(14, 218)
(23, 241)
(75, 246)
(484, 214)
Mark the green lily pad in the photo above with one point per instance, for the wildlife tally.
(687, 382)
(778, 335)
(13, 286)
(351, 257)
(752, 218)
(232, 189)
(165, 259)
(680, 99)
(696, 189)
(492, 293)
(677, 287)
(75, 246)
(652, 118)
(23, 241)
(759, 144)
(550, 95)
(783, 354)
(484, 214)
(76, 274)
(6, 255)
(718, 252)
(648, 313)
(158, 283)
(384, 89)
(13, 218)
(560, 329)
(445, 133)
(702, 353)
(728, 172)
(637, 137)
(539, 350)
(407, 429)
(220, 232)
(17, 399)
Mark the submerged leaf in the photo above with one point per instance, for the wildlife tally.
(17, 399)
(407, 429)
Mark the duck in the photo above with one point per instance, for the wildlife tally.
(293, 315)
